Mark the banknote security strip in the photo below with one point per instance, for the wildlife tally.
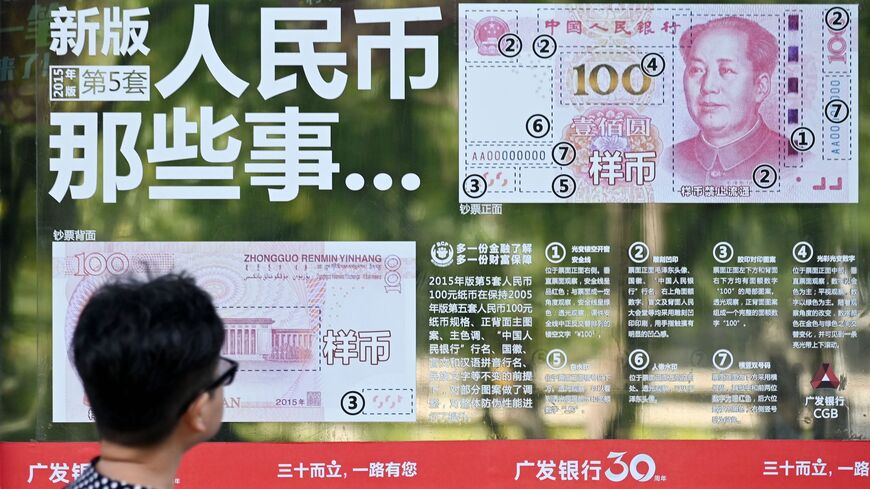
(291, 312)
(658, 103)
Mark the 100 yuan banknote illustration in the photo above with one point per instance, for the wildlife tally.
(655, 103)
(323, 331)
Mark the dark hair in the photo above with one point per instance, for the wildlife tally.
(142, 349)
(761, 47)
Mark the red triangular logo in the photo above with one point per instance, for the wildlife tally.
(825, 378)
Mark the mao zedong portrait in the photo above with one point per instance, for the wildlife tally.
(729, 73)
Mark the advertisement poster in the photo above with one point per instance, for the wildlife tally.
(453, 244)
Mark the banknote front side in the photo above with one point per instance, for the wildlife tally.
(323, 331)
(658, 103)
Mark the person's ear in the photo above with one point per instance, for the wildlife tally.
(195, 415)
(762, 87)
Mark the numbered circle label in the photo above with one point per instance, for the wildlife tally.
(564, 153)
(837, 19)
(802, 252)
(837, 111)
(653, 64)
(802, 139)
(544, 46)
(556, 359)
(638, 252)
(638, 359)
(474, 186)
(510, 45)
(764, 176)
(555, 252)
(723, 252)
(537, 126)
(564, 186)
(353, 403)
(723, 359)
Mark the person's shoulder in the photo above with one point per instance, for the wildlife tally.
(685, 149)
(774, 144)
(91, 479)
(769, 134)
(84, 479)
(682, 155)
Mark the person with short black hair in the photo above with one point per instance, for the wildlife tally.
(148, 355)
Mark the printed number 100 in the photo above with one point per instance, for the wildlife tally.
(97, 264)
(613, 78)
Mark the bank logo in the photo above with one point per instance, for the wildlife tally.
(825, 378)
(442, 254)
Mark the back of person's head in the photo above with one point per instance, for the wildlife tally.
(144, 349)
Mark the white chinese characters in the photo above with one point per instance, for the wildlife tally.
(124, 34)
(291, 150)
(124, 31)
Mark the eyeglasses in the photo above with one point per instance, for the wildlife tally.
(228, 367)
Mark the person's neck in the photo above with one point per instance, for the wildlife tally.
(722, 141)
(152, 467)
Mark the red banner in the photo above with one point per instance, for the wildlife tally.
(482, 464)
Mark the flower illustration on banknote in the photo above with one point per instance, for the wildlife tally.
(610, 143)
